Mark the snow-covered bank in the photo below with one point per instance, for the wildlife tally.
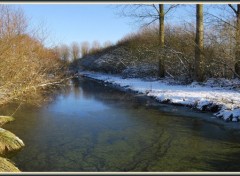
(224, 102)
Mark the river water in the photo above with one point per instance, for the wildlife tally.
(92, 127)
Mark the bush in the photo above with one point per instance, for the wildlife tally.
(140, 54)
(27, 68)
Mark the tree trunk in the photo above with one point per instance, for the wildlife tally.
(199, 62)
(161, 72)
(237, 54)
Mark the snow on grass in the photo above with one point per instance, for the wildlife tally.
(202, 97)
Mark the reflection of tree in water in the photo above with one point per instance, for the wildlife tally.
(73, 86)
(65, 91)
(107, 94)
(145, 156)
(145, 151)
(86, 86)
(76, 87)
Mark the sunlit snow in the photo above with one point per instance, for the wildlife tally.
(193, 95)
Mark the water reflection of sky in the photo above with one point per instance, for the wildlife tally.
(76, 103)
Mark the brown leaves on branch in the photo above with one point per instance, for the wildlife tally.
(24, 61)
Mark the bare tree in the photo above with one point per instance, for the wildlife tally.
(148, 14)
(96, 46)
(236, 11)
(85, 48)
(12, 22)
(199, 63)
(107, 44)
(75, 50)
(64, 52)
(161, 72)
(229, 18)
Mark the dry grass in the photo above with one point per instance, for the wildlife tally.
(7, 166)
(5, 119)
(9, 141)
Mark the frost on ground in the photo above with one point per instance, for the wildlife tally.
(224, 101)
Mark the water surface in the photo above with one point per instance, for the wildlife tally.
(91, 127)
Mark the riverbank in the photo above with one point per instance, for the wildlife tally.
(224, 103)
(8, 142)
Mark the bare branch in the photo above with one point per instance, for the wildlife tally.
(154, 6)
(231, 6)
(171, 7)
(222, 20)
(149, 23)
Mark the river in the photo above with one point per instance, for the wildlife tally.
(92, 127)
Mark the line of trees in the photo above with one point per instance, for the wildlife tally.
(147, 14)
(77, 50)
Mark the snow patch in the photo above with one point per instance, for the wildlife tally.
(203, 97)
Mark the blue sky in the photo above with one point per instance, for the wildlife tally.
(66, 23)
